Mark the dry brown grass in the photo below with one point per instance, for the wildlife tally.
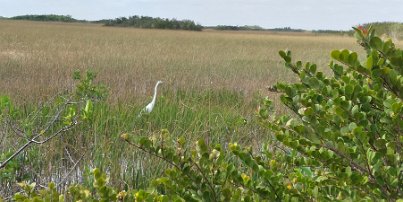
(37, 58)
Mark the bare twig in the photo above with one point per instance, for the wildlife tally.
(71, 170)
(16, 130)
(68, 154)
(31, 141)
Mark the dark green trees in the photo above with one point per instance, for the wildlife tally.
(154, 23)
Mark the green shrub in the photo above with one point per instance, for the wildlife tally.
(349, 125)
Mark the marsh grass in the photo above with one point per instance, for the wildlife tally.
(213, 83)
(212, 115)
(37, 59)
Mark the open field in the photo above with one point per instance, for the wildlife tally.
(212, 83)
(37, 59)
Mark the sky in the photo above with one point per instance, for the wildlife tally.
(298, 14)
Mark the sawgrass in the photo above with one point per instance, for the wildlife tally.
(37, 59)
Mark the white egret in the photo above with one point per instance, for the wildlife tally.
(151, 105)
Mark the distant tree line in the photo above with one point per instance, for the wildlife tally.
(153, 23)
(391, 29)
(59, 18)
(287, 29)
(230, 27)
(336, 32)
(254, 28)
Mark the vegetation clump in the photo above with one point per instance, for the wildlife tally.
(51, 17)
(238, 28)
(154, 23)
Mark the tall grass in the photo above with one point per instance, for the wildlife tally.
(210, 115)
(37, 58)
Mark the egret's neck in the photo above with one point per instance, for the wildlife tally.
(155, 92)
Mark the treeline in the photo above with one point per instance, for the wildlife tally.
(154, 23)
(254, 28)
(391, 29)
(230, 27)
(59, 18)
(336, 32)
(287, 29)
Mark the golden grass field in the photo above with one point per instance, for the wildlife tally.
(37, 58)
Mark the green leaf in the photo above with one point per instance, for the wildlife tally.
(335, 54)
(321, 178)
(344, 55)
(313, 68)
(349, 89)
(313, 82)
(370, 62)
(352, 58)
(306, 171)
(371, 156)
(337, 70)
(348, 171)
(282, 54)
(352, 126)
(376, 43)
(285, 56)
(355, 110)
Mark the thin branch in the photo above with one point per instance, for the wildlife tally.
(206, 179)
(71, 170)
(31, 141)
(153, 154)
(68, 154)
(16, 130)
(64, 129)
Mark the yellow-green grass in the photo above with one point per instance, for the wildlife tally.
(38, 58)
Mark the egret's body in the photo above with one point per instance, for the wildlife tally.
(151, 105)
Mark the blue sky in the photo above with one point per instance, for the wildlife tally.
(304, 14)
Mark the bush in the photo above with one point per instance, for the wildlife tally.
(349, 125)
